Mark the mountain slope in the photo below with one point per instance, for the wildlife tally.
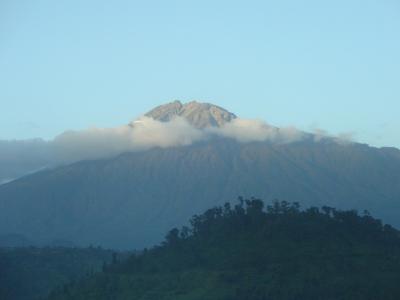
(244, 253)
(131, 200)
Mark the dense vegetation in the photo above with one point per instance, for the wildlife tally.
(248, 252)
(31, 273)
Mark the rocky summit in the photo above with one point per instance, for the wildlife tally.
(199, 115)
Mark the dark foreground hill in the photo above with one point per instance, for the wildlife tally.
(31, 273)
(246, 252)
(131, 200)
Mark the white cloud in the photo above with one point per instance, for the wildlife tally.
(143, 134)
(341, 138)
(21, 157)
(247, 130)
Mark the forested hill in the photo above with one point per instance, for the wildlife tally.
(30, 273)
(251, 252)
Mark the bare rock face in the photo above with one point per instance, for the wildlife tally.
(165, 112)
(199, 115)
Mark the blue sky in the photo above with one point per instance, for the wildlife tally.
(327, 64)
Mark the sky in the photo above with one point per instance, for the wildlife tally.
(75, 64)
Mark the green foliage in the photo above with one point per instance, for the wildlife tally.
(248, 252)
(31, 273)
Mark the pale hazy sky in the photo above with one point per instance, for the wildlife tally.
(328, 64)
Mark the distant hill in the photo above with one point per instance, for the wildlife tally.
(245, 252)
(129, 201)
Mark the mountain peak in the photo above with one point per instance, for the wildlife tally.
(198, 114)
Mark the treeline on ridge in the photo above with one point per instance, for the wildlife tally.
(248, 251)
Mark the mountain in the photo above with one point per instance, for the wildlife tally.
(199, 115)
(129, 201)
(247, 253)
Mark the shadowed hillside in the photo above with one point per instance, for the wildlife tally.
(31, 273)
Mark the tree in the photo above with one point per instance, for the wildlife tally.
(172, 237)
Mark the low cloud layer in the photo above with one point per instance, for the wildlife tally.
(146, 133)
(342, 138)
(20, 157)
(246, 130)
(142, 134)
